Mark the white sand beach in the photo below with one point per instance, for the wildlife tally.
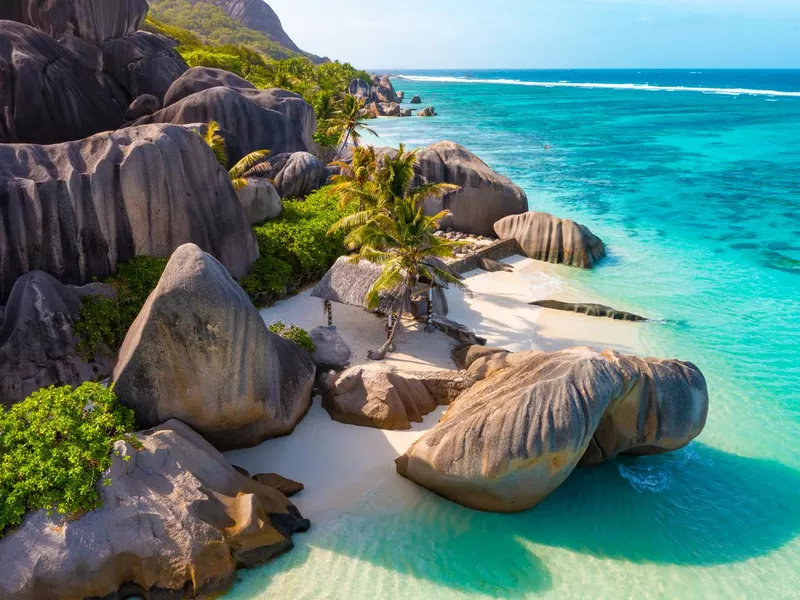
(344, 467)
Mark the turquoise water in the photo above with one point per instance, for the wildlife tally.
(697, 196)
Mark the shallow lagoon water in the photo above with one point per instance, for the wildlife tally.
(697, 195)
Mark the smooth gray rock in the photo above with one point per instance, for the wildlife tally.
(47, 94)
(260, 200)
(198, 79)
(298, 174)
(143, 63)
(494, 266)
(359, 88)
(200, 352)
(144, 105)
(591, 310)
(77, 209)
(38, 345)
(94, 21)
(175, 517)
(332, 353)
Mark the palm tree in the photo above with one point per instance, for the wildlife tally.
(252, 165)
(356, 181)
(349, 121)
(395, 233)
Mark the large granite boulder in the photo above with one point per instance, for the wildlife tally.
(47, 93)
(332, 352)
(198, 79)
(93, 21)
(38, 345)
(260, 200)
(485, 196)
(176, 521)
(383, 90)
(143, 63)
(256, 118)
(514, 437)
(591, 310)
(76, 209)
(298, 174)
(545, 237)
(200, 352)
(385, 398)
(144, 105)
(359, 88)
(428, 111)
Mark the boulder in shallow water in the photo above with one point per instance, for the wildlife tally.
(38, 344)
(386, 398)
(427, 112)
(514, 437)
(416, 100)
(176, 521)
(545, 237)
(200, 352)
(591, 310)
(76, 210)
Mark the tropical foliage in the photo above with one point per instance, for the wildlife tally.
(54, 447)
(392, 230)
(252, 165)
(295, 334)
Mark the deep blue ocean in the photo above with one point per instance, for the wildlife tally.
(696, 193)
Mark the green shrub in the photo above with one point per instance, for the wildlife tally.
(295, 334)
(54, 447)
(103, 321)
(295, 248)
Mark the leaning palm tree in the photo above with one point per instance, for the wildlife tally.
(396, 234)
(252, 165)
(349, 121)
(356, 182)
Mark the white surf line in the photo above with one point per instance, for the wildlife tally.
(606, 86)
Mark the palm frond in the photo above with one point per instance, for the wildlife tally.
(248, 162)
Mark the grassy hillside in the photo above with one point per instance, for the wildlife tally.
(212, 25)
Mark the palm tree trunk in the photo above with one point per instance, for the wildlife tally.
(384, 350)
(343, 146)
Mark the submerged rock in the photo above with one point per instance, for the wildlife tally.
(386, 398)
(76, 210)
(514, 437)
(427, 112)
(416, 100)
(592, 310)
(176, 521)
(38, 344)
(200, 352)
(545, 237)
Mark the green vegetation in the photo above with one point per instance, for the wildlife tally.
(54, 447)
(295, 334)
(295, 248)
(104, 321)
(391, 228)
(252, 165)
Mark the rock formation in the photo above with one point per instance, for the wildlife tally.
(227, 376)
(592, 310)
(386, 398)
(260, 200)
(485, 196)
(176, 521)
(76, 209)
(545, 237)
(287, 487)
(298, 174)
(416, 100)
(332, 352)
(514, 437)
(467, 353)
(359, 88)
(38, 345)
(427, 112)
(494, 266)
(198, 79)
(383, 90)
(144, 105)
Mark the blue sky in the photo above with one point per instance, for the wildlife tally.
(473, 34)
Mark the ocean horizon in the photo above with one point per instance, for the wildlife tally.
(695, 193)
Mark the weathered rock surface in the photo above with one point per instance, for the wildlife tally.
(76, 209)
(198, 79)
(332, 353)
(38, 345)
(465, 354)
(93, 21)
(494, 266)
(260, 200)
(385, 398)
(388, 109)
(405, 112)
(298, 174)
(428, 111)
(359, 88)
(515, 436)
(272, 120)
(285, 486)
(143, 63)
(485, 196)
(144, 105)
(176, 521)
(416, 100)
(592, 310)
(545, 237)
(226, 375)
(48, 95)
(383, 90)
